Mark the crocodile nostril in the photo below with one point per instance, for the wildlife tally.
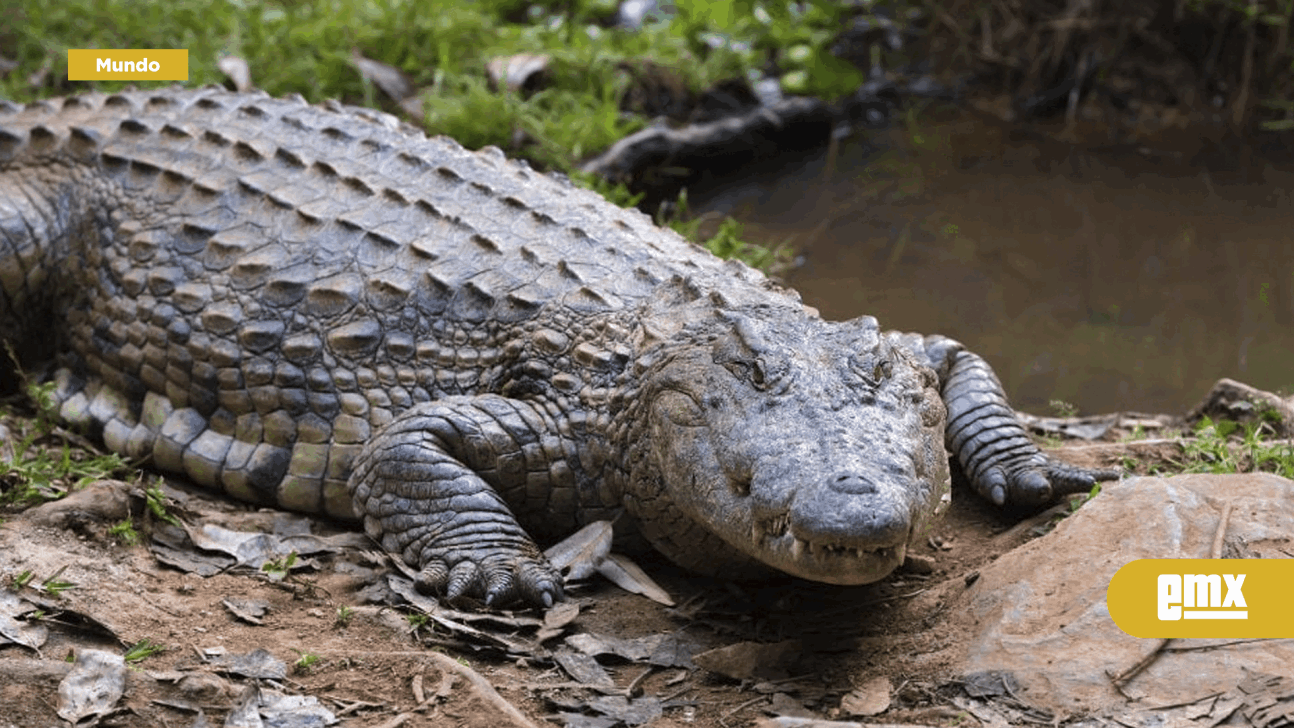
(852, 483)
(741, 486)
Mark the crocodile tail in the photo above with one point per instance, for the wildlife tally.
(34, 221)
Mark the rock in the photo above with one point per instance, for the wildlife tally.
(102, 501)
(1042, 610)
(1232, 400)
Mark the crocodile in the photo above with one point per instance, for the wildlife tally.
(322, 309)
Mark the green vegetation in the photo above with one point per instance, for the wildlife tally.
(155, 501)
(307, 48)
(143, 650)
(589, 66)
(51, 585)
(305, 662)
(280, 569)
(1232, 447)
(344, 615)
(124, 532)
(23, 578)
(34, 472)
(417, 621)
(1062, 408)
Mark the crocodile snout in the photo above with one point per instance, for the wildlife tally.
(853, 510)
(852, 483)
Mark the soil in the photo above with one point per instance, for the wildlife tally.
(909, 629)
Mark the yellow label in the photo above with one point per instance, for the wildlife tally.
(1229, 598)
(135, 64)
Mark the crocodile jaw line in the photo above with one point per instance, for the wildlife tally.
(775, 544)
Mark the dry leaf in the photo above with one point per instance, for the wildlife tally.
(93, 686)
(870, 698)
(579, 554)
(629, 576)
(747, 660)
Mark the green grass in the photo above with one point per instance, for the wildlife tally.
(38, 471)
(1224, 446)
(142, 650)
(307, 47)
(51, 585)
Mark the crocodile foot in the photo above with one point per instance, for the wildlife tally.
(496, 575)
(1037, 481)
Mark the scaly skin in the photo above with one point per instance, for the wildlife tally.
(320, 309)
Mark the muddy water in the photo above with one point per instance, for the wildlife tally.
(1111, 279)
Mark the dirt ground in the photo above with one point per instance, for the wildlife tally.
(822, 650)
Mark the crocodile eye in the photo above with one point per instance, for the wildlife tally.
(871, 369)
(883, 370)
(755, 371)
(679, 408)
(739, 368)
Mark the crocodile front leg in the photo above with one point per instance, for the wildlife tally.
(995, 452)
(426, 489)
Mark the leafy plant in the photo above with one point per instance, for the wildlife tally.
(51, 585)
(1225, 446)
(143, 650)
(280, 569)
(1063, 408)
(124, 531)
(305, 662)
(155, 501)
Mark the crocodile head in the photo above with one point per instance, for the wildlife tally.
(815, 448)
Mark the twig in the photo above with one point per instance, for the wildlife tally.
(1222, 645)
(350, 705)
(635, 685)
(416, 686)
(1220, 534)
(740, 708)
(1185, 703)
(1122, 678)
(574, 685)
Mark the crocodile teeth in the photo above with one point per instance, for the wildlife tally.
(797, 548)
(777, 526)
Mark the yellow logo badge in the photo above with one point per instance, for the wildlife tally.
(135, 64)
(1204, 598)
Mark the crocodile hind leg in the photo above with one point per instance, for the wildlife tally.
(421, 488)
(995, 452)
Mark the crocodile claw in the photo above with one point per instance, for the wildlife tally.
(497, 579)
(1034, 484)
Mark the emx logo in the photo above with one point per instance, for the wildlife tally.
(1204, 598)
